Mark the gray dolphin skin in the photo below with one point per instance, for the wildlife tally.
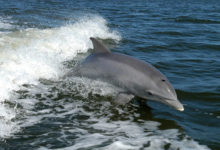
(136, 77)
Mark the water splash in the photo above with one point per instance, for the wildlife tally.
(31, 54)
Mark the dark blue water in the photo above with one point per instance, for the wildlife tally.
(180, 38)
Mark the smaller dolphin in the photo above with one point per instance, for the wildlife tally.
(136, 77)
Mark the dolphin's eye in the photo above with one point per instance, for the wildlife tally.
(163, 80)
(149, 93)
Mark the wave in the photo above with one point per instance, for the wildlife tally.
(90, 122)
(31, 54)
(5, 23)
(188, 19)
(205, 96)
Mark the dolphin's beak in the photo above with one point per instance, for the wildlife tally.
(175, 104)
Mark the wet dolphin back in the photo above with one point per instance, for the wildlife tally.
(119, 69)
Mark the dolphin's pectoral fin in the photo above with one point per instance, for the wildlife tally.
(142, 102)
(123, 98)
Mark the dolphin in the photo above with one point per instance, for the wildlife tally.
(136, 77)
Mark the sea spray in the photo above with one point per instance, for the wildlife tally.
(31, 54)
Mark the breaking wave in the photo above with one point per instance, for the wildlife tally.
(31, 54)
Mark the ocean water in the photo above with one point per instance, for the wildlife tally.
(40, 41)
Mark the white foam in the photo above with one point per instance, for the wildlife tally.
(6, 125)
(5, 23)
(86, 86)
(31, 54)
(132, 136)
(99, 131)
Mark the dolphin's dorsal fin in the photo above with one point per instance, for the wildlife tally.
(98, 47)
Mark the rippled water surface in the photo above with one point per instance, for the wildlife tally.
(40, 41)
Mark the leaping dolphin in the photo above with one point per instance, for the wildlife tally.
(136, 77)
